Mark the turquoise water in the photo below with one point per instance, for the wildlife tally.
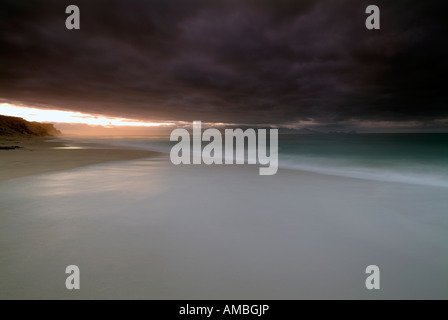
(376, 150)
(408, 158)
(412, 158)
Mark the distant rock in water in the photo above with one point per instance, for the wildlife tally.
(9, 148)
(12, 126)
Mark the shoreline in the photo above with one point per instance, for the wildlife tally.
(147, 230)
(39, 155)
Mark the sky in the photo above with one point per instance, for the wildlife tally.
(284, 63)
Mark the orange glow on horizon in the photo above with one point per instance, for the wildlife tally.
(59, 116)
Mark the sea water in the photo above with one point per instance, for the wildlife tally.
(417, 158)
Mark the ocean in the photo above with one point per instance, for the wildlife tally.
(416, 158)
(409, 158)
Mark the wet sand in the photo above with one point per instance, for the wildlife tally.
(146, 229)
(43, 155)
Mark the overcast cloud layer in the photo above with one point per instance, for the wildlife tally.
(238, 61)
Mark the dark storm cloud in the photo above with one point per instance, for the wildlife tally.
(240, 61)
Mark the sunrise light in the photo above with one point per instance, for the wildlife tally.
(60, 116)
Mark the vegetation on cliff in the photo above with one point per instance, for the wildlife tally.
(12, 126)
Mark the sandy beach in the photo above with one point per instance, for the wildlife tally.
(37, 155)
(146, 229)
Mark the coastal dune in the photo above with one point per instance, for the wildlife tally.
(14, 126)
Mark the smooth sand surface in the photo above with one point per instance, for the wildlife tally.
(146, 229)
(42, 155)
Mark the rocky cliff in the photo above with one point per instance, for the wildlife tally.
(12, 126)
